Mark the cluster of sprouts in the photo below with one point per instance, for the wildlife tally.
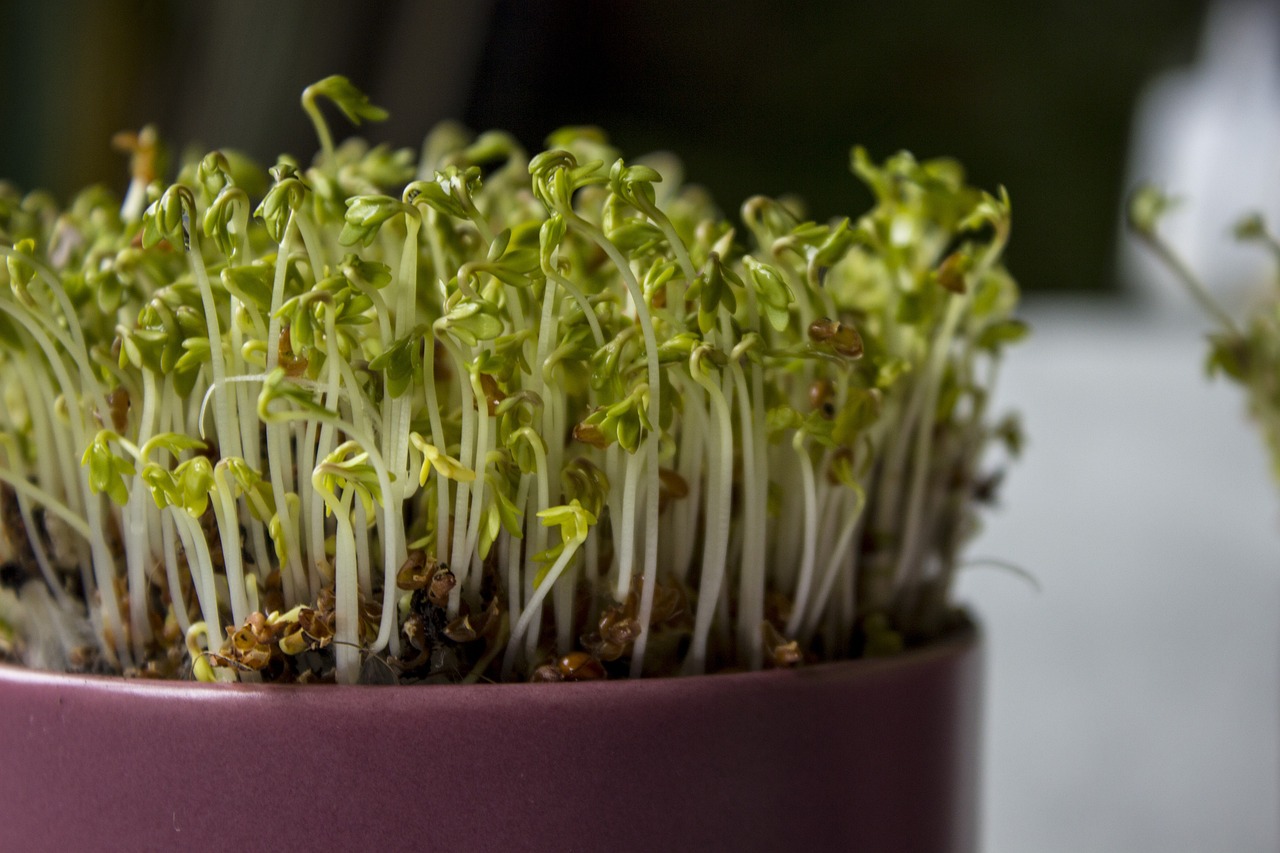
(475, 415)
(1246, 350)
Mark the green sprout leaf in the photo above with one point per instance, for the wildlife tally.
(715, 291)
(397, 361)
(194, 484)
(1147, 206)
(772, 293)
(444, 465)
(573, 519)
(286, 195)
(107, 471)
(474, 320)
(366, 214)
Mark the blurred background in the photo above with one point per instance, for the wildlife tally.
(1134, 701)
(757, 96)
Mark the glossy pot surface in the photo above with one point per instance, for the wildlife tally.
(873, 755)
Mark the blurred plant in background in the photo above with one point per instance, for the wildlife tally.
(1247, 350)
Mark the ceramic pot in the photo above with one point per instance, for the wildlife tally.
(870, 755)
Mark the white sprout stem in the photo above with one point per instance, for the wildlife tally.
(613, 466)
(693, 441)
(311, 512)
(398, 413)
(1181, 271)
(673, 239)
(909, 555)
(842, 554)
(248, 423)
(790, 519)
(483, 445)
(809, 546)
(193, 409)
(278, 453)
(200, 564)
(717, 523)
(566, 593)
(555, 446)
(459, 559)
(370, 447)
(564, 606)
(650, 553)
(546, 328)
(649, 582)
(627, 543)
(223, 406)
(135, 200)
(154, 534)
(327, 440)
(346, 604)
(816, 288)
(535, 605)
(893, 469)
(363, 558)
(439, 440)
(751, 573)
(437, 250)
(407, 282)
(805, 309)
(540, 538)
(511, 297)
(254, 595)
(578, 296)
(653, 410)
(224, 510)
(104, 569)
(655, 386)
(171, 573)
(543, 497)
(311, 242)
(247, 426)
(275, 321)
(137, 547)
(52, 465)
(514, 563)
(477, 218)
(591, 561)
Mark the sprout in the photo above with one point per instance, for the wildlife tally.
(1147, 206)
(1247, 350)
(346, 97)
(487, 416)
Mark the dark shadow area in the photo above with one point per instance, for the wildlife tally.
(757, 96)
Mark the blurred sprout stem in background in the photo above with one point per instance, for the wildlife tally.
(1247, 349)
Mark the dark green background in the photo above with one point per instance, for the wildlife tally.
(757, 96)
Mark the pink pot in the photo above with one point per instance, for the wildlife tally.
(875, 755)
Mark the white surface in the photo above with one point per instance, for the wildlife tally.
(1133, 704)
(1208, 134)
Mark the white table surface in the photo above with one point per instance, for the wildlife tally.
(1133, 703)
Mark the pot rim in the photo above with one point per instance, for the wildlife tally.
(954, 642)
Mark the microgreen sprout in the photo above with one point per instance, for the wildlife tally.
(1246, 350)
(487, 416)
